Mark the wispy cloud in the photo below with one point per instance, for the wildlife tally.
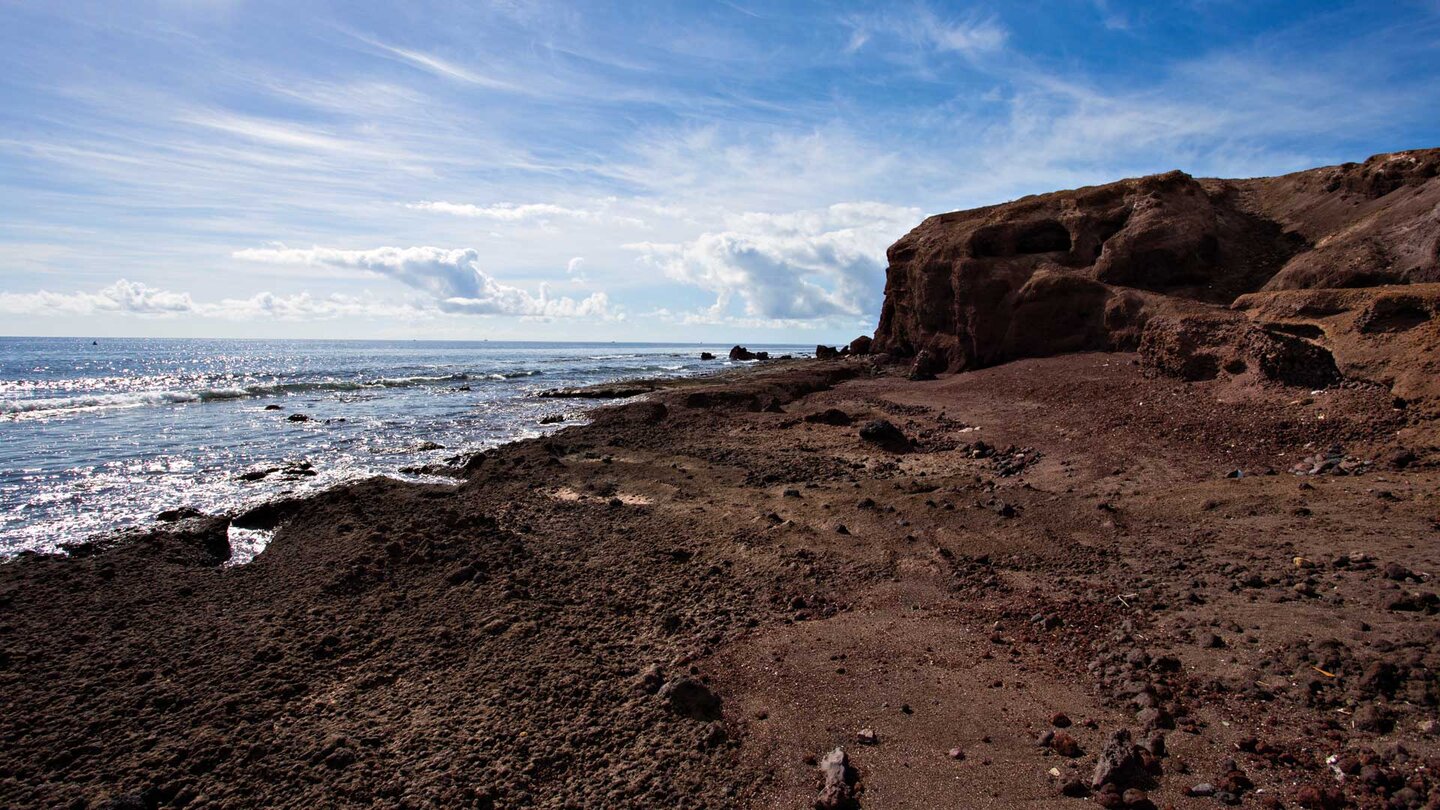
(505, 212)
(438, 66)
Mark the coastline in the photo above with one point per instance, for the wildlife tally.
(690, 600)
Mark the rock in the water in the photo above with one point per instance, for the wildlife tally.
(706, 356)
(839, 779)
(297, 417)
(741, 353)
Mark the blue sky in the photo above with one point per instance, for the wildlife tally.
(710, 171)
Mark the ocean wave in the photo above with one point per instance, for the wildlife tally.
(135, 399)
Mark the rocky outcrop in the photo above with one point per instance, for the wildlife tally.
(1303, 278)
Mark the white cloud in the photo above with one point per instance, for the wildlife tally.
(921, 27)
(124, 297)
(134, 298)
(504, 212)
(819, 263)
(451, 276)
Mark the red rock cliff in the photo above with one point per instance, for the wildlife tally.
(1307, 278)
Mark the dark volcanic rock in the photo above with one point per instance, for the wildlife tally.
(861, 345)
(829, 416)
(741, 353)
(692, 699)
(885, 434)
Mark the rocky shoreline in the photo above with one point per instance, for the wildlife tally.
(1182, 558)
(1055, 586)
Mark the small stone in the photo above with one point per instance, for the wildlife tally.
(956, 754)
(867, 736)
(1060, 720)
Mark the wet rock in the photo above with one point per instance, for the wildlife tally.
(553, 419)
(297, 417)
(741, 353)
(706, 356)
(885, 434)
(692, 699)
(838, 778)
(273, 407)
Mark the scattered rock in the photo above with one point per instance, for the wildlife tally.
(297, 417)
(837, 791)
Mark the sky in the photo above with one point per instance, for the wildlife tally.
(675, 171)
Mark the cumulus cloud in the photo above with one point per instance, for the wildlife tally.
(451, 276)
(806, 264)
(134, 298)
(124, 297)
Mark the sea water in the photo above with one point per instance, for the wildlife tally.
(105, 433)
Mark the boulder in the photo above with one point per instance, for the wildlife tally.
(860, 346)
(885, 434)
(823, 352)
(741, 353)
(706, 356)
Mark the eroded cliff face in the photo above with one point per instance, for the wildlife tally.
(1307, 278)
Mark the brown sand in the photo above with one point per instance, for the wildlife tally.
(555, 629)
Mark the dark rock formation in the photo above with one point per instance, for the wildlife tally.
(741, 353)
(1294, 278)
(861, 345)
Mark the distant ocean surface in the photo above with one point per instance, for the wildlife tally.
(95, 436)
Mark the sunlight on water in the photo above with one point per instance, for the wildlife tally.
(98, 436)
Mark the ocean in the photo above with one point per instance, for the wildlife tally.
(104, 433)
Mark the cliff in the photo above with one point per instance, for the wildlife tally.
(1307, 278)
